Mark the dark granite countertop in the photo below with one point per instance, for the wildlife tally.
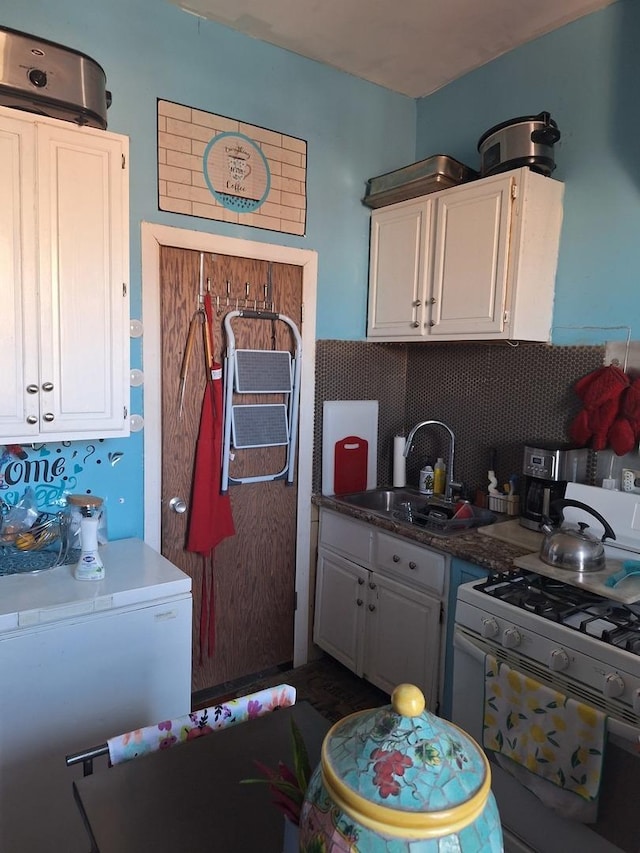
(473, 547)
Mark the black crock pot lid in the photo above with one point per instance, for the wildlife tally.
(541, 117)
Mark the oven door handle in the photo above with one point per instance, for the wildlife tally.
(466, 645)
(625, 731)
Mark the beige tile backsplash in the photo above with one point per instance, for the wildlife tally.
(491, 395)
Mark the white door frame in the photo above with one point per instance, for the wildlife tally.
(153, 237)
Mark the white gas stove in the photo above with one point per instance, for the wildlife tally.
(572, 632)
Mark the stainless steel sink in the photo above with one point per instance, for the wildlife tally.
(383, 501)
(410, 507)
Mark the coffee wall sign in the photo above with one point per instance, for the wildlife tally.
(221, 168)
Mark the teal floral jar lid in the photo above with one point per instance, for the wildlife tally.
(404, 771)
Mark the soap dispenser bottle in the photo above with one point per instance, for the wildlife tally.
(90, 566)
(425, 480)
(439, 477)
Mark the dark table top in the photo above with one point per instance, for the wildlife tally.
(188, 798)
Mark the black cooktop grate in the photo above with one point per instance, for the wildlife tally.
(581, 610)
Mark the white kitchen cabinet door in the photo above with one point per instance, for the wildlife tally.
(398, 270)
(83, 211)
(471, 253)
(402, 638)
(67, 238)
(18, 342)
(340, 608)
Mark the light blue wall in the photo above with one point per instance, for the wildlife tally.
(586, 75)
(354, 130)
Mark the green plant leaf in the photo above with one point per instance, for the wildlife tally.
(301, 764)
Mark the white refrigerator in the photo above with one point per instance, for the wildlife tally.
(81, 661)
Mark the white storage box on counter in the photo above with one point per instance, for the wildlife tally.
(80, 662)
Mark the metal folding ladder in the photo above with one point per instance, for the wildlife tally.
(251, 371)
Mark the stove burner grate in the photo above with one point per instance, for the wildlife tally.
(581, 610)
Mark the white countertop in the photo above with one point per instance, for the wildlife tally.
(626, 592)
(134, 574)
(514, 533)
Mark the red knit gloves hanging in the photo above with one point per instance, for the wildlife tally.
(601, 393)
(625, 430)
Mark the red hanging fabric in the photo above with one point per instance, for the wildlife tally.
(210, 516)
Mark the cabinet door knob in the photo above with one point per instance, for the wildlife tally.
(413, 565)
(415, 325)
(372, 585)
(359, 602)
(417, 303)
(360, 581)
(32, 389)
(47, 386)
(48, 417)
(432, 301)
(32, 419)
(372, 607)
(431, 322)
(396, 559)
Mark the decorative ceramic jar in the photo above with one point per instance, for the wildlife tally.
(398, 779)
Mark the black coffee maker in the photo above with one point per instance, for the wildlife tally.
(547, 468)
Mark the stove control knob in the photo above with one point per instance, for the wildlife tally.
(490, 627)
(613, 686)
(558, 660)
(511, 638)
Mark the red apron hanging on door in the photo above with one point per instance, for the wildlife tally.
(210, 518)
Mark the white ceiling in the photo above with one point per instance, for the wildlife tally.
(410, 46)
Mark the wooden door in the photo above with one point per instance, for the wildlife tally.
(254, 571)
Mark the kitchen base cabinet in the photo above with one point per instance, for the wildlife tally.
(340, 610)
(378, 604)
(402, 640)
(461, 572)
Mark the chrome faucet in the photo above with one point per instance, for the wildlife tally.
(452, 446)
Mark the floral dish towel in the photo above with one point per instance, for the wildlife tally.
(168, 733)
(549, 734)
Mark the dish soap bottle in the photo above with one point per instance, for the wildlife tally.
(90, 567)
(425, 480)
(439, 477)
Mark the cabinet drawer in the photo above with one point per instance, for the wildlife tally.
(414, 564)
(352, 539)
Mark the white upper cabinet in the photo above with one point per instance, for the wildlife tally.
(64, 269)
(474, 262)
(398, 271)
(18, 344)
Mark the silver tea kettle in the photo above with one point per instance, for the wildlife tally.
(573, 549)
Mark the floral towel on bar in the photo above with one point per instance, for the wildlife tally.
(549, 734)
(168, 733)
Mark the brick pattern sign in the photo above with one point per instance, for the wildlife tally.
(221, 168)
